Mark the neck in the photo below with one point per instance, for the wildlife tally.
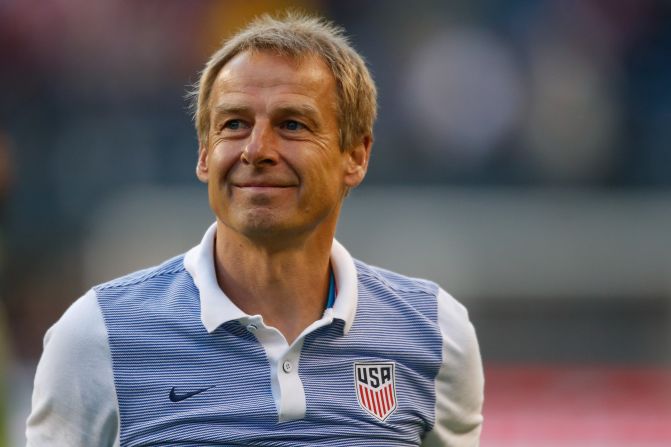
(286, 285)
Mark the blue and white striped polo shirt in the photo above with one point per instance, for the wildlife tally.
(394, 362)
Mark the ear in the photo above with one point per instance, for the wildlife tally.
(356, 161)
(202, 171)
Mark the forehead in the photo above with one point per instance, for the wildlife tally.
(268, 73)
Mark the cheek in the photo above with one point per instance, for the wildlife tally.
(327, 179)
(221, 161)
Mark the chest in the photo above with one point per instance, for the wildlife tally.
(177, 384)
(210, 389)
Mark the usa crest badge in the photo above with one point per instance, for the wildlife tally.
(376, 388)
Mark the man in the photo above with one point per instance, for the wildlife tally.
(268, 332)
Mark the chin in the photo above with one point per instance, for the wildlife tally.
(263, 225)
(272, 225)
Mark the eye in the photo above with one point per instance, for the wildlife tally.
(292, 125)
(234, 125)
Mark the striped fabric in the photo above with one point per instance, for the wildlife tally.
(161, 350)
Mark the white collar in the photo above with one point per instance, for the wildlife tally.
(216, 308)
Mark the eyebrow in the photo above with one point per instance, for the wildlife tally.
(303, 110)
(231, 109)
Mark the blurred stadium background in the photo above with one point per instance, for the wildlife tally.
(522, 160)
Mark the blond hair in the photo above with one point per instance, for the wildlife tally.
(298, 35)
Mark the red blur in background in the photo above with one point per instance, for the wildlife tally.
(577, 406)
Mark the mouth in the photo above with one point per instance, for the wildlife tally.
(262, 185)
(261, 188)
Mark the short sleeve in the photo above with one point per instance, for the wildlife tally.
(460, 380)
(74, 400)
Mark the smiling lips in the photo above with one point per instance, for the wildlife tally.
(263, 185)
(256, 185)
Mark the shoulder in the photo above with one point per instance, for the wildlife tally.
(455, 325)
(80, 331)
(74, 401)
(395, 281)
(167, 269)
(450, 315)
(460, 380)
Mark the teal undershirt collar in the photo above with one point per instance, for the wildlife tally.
(332, 290)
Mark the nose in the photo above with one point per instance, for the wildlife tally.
(260, 148)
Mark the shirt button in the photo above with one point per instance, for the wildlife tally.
(287, 367)
(252, 328)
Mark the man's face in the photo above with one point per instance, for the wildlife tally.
(272, 161)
